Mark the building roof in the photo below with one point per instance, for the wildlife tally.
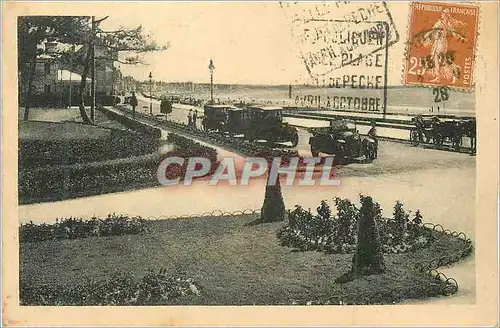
(56, 50)
(68, 76)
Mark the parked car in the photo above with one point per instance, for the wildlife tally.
(254, 122)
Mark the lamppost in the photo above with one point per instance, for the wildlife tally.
(211, 67)
(150, 93)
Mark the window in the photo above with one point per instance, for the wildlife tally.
(46, 88)
(47, 68)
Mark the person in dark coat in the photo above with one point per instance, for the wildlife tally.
(190, 118)
(133, 103)
(373, 135)
(195, 117)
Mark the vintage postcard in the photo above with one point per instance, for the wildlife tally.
(250, 163)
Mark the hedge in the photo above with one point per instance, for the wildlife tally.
(73, 228)
(68, 181)
(119, 289)
(130, 123)
(56, 152)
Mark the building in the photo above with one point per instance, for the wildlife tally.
(54, 82)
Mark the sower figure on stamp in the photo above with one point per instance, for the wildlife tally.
(373, 135)
(133, 103)
(437, 39)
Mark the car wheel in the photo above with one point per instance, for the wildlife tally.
(457, 143)
(369, 151)
(414, 138)
(340, 158)
(438, 139)
(295, 139)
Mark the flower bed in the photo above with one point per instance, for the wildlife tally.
(119, 289)
(187, 148)
(49, 143)
(67, 181)
(338, 233)
(73, 228)
(131, 123)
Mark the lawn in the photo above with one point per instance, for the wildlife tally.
(231, 263)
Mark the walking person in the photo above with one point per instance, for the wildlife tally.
(373, 135)
(195, 117)
(165, 107)
(133, 103)
(190, 118)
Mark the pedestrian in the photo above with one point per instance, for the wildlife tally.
(438, 110)
(190, 118)
(165, 107)
(133, 103)
(373, 135)
(195, 116)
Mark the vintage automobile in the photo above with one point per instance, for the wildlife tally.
(216, 117)
(266, 122)
(253, 122)
(343, 142)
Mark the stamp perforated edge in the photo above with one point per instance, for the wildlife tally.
(470, 89)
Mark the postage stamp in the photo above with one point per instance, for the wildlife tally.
(441, 45)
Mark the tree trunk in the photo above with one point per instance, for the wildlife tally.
(92, 72)
(31, 76)
(83, 113)
(273, 208)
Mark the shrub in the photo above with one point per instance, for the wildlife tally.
(338, 234)
(73, 228)
(186, 148)
(117, 144)
(66, 181)
(132, 124)
(119, 289)
(368, 258)
(273, 208)
(347, 220)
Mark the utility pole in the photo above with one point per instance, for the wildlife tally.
(92, 74)
(150, 94)
(70, 72)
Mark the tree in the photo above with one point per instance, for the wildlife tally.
(31, 32)
(273, 208)
(369, 257)
(76, 30)
(131, 42)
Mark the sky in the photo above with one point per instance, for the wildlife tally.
(250, 43)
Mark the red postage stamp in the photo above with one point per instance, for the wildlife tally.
(441, 45)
